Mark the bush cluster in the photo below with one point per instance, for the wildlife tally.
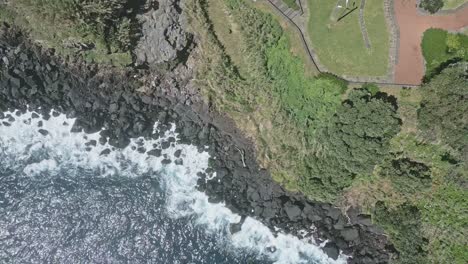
(432, 6)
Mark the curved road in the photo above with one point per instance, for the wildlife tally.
(412, 24)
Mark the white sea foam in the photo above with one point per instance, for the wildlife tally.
(60, 147)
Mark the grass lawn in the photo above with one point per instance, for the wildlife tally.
(436, 51)
(452, 4)
(340, 45)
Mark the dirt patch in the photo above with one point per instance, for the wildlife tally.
(410, 66)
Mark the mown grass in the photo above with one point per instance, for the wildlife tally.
(436, 52)
(452, 4)
(340, 45)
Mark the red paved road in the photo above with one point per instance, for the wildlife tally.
(410, 66)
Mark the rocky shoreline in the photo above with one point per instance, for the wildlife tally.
(126, 107)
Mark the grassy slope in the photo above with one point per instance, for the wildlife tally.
(272, 102)
(340, 46)
(53, 33)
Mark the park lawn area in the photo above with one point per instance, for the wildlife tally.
(452, 4)
(340, 45)
(435, 49)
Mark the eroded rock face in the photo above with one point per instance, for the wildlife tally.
(163, 33)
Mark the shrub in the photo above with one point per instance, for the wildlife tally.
(431, 6)
(342, 83)
(408, 176)
(403, 224)
(371, 87)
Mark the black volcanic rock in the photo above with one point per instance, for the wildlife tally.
(43, 132)
(154, 152)
(331, 250)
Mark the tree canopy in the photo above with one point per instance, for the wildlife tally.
(443, 112)
(355, 139)
(431, 6)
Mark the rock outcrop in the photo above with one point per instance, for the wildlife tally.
(164, 38)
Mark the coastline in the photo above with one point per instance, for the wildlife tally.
(106, 97)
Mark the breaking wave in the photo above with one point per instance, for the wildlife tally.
(65, 197)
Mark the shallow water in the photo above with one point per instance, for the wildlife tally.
(61, 201)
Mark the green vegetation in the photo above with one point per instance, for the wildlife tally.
(408, 176)
(404, 226)
(292, 4)
(275, 98)
(340, 45)
(432, 6)
(102, 30)
(442, 113)
(355, 140)
(452, 4)
(441, 48)
(309, 103)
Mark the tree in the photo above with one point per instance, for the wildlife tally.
(431, 6)
(407, 175)
(355, 139)
(443, 112)
(403, 224)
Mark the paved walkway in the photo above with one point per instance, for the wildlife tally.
(412, 24)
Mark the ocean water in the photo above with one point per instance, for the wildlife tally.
(61, 201)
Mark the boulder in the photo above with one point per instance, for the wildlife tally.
(155, 152)
(292, 211)
(43, 132)
(350, 234)
(331, 250)
(105, 152)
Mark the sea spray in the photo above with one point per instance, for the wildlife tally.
(38, 147)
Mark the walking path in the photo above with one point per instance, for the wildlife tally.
(362, 24)
(412, 24)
